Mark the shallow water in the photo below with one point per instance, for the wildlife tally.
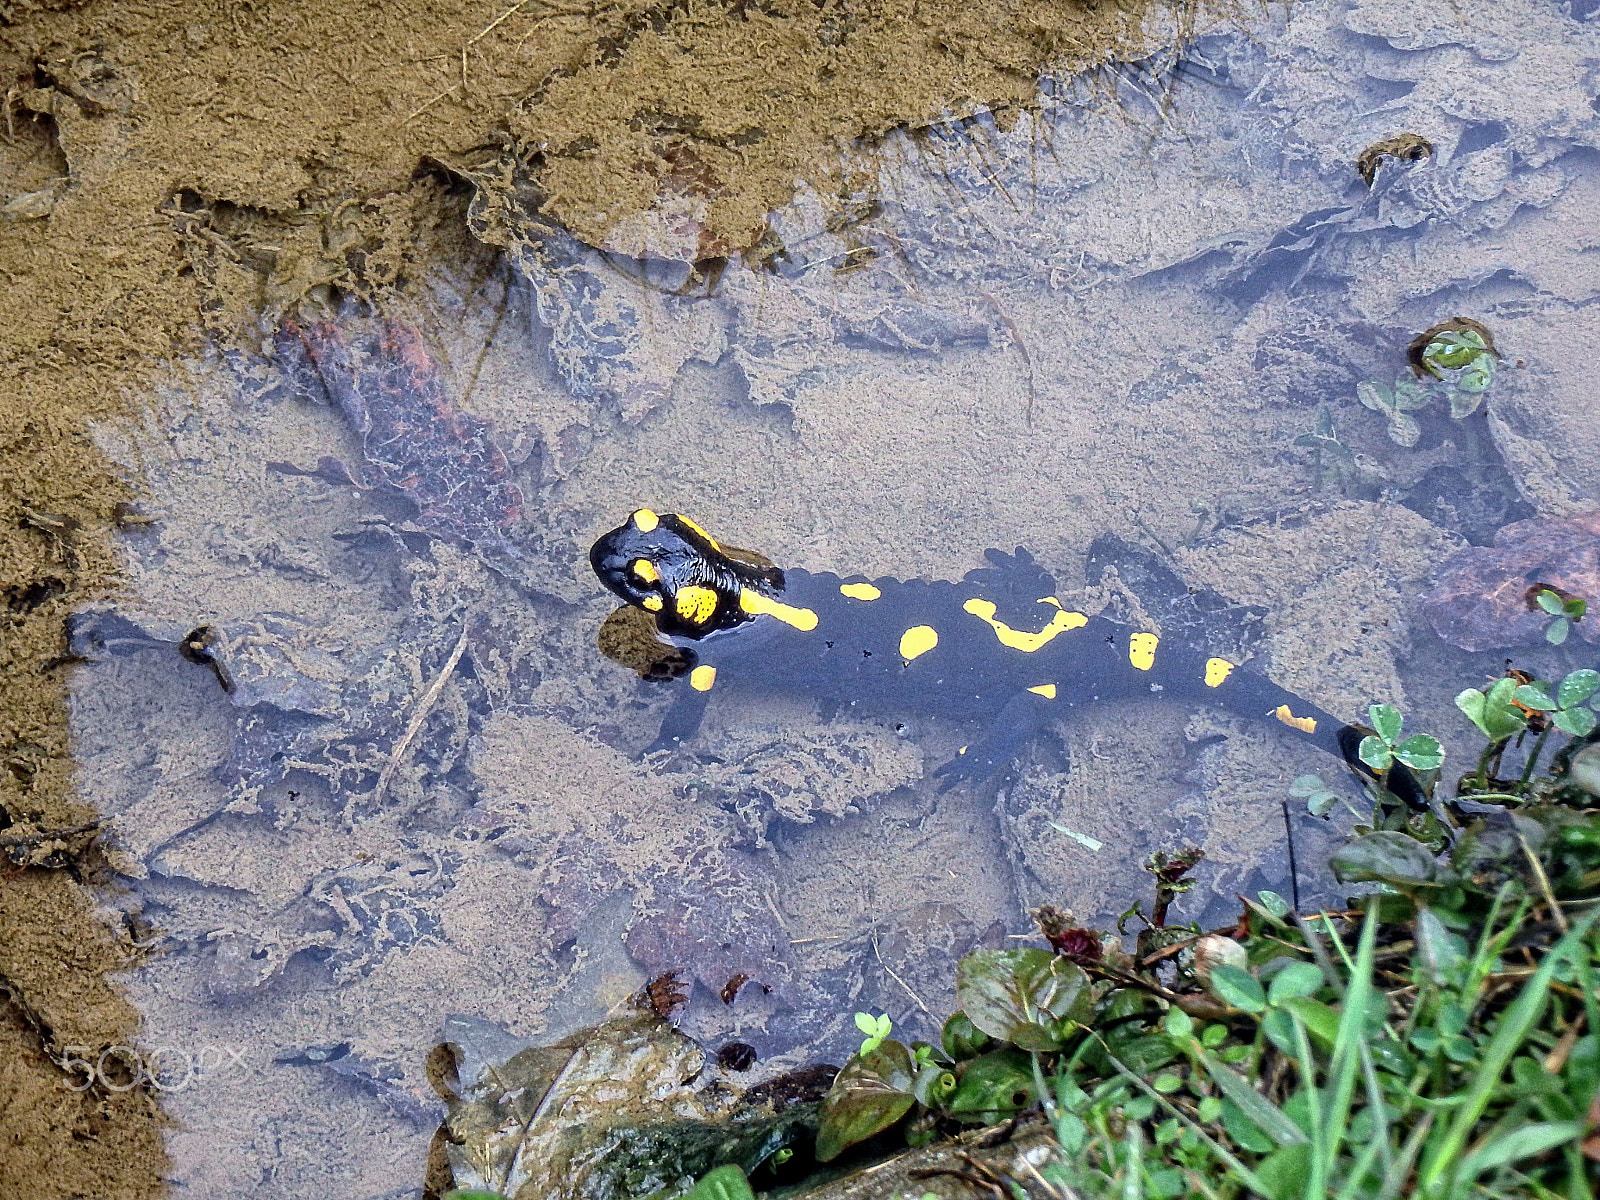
(419, 793)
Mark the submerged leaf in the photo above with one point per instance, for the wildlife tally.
(1030, 998)
(1385, 857)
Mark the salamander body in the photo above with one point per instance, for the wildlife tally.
(997, 645)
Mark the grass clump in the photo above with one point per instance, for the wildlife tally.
(1438, 1038)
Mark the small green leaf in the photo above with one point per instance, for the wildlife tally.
(1386, 720)
(1261, 1112)
(1523, 1142)
(1306, 785)
(1578, 687)
(1320, 1021)
(1575, 722)
(1178, 1023)
(1321, 804)
(1374, 753)
(1274, 904)
(1535, 696)
(1550, 602)
(1237, 987)
(962, 1039)
(1557, 633)
(1420, 752)
(724, 1183)
(1439, 951)
(1296, 979)
(1492, 711)
(1243, 1130)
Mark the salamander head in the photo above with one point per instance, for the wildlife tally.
(669, 566)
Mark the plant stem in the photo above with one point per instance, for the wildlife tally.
(1483, 764)
(1533, 757)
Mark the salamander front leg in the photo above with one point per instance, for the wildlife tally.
(682, 721)
(1014, 727)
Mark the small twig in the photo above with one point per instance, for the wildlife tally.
(1544, 885)
(896, 978)
(1151, 960)
(424, 707)
(418, 112)
(1557, 1058)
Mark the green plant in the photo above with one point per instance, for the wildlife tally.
(1455, 360)
(1516, 703)
(1383, 746)
(1563, 611)
(1331, 459)
(876, 1029)
(1397, 403)
(724, 1183)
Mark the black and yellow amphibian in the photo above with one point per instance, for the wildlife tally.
(996, 645)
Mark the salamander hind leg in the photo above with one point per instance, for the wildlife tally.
(1015, 725)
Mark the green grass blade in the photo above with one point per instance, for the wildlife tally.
(1395, 1178)
(1317, 1180)
(1268, 1117)
(1320, 952)
(1369, 1076)
(1133, 1179)
(1359, 1171)
(1351, 1037)
(1515, 1025)
(1244, 1174)
(1522, 1142)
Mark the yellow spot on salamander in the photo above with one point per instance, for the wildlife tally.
(697, 529)
(918, 640)
(644, 569)
(1142, 650)
(1217, 670)
(702, 677)
(695, 604)
(757, 605)
(653, 603)
(645, 521)
(1016, 639)
(1047, 690)
(1303, 724)
(859, 591)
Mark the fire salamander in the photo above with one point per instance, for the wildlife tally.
(995, 645)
